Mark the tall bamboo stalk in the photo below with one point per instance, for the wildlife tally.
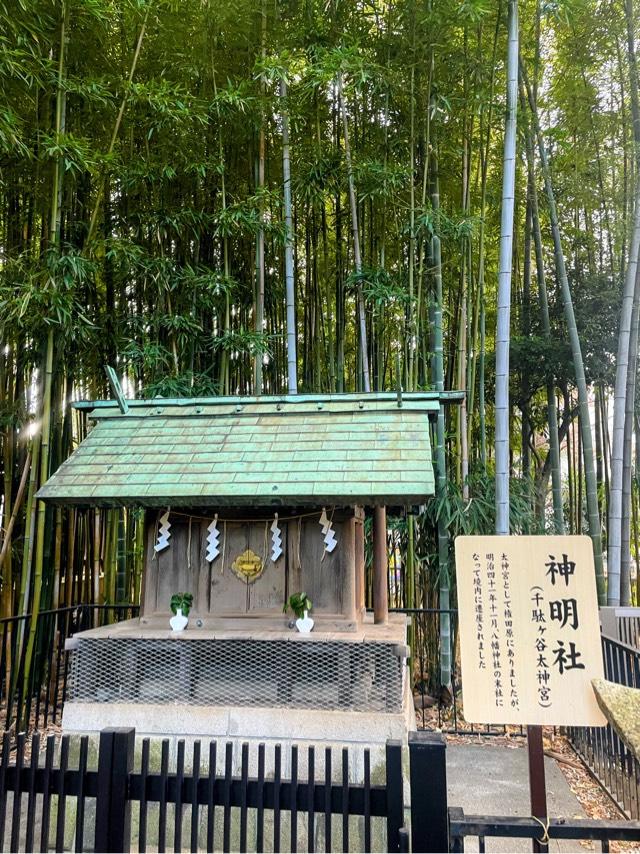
(292, 367)
(357, 258)
(116, 128)
(41, 517)
(224, 359)
(479, 313)
(552, 413)
(462, 329)
(440, 456)
(625, 538)
(624, 390)
(6, 540)
(625, 361)
(593, 511)
(503, 332)
(10, 511)
(631, 20)
(45, 404)
(260, 271)
(412, 324)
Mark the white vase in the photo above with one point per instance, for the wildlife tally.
(178, 623)
(304, 624)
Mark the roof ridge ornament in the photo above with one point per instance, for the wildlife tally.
(116, 389)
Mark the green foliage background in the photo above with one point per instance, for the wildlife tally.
(163, 285)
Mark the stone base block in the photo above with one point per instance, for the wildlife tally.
(328, 731)
(357, 731)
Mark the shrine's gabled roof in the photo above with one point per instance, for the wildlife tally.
(327, 449)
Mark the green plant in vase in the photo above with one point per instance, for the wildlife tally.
(300, 604)
(180, 606)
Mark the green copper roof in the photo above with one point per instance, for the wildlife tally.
(333, 449)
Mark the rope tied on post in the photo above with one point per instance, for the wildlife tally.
(545, 826)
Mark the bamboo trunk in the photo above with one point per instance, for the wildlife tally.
(625, 539)
(357, 260)
(618, 587)
(552, 414)
(440, 456)
(504, 280)
(576, 352)
(288, 250)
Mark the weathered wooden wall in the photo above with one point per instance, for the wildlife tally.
(328, 579)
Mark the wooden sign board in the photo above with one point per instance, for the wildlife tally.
(529, 630)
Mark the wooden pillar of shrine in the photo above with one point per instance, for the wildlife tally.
(349, 549)
(360, 567)
(380, 568)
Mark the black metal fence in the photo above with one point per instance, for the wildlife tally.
(607, 756)
(254, 799)
(629, 627)
(481, 827)
(122, 803)
(33, 700)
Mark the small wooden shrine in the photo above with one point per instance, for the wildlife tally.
(248, 501)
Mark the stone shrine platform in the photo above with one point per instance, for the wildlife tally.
(244, 684)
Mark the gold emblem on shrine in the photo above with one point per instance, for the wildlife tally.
(248, 566)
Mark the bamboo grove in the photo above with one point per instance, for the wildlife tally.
(246, 196)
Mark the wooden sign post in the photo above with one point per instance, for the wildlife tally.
(529, 638)
(537, 783)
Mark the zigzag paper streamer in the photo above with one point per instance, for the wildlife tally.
(213, 540)
(163, 532)
(330, 541)
(276, 540)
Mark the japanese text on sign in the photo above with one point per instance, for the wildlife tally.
(529, 630)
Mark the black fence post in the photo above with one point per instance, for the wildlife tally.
(428, 776)
(456, 839)
(395, 795)
(113, 808)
